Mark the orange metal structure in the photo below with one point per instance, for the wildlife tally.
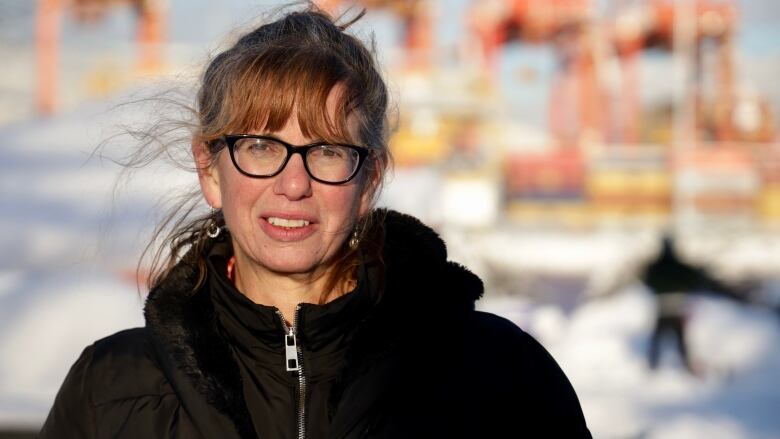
(150, 35)
(415, 16)
(578, 100)
(711, 22)
(47, 21)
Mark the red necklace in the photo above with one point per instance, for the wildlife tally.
(231, 269)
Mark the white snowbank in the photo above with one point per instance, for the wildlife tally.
(47, 331)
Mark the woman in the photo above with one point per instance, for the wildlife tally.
(295, 309)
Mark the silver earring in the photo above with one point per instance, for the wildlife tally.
(354, 239)
(213, 229)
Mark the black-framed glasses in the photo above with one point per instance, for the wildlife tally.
(260, 156)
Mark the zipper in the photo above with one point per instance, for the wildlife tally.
(293, 363)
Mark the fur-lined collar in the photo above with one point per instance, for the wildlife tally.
(418, 280)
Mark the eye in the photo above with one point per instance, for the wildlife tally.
(329, 152)
(258, 147)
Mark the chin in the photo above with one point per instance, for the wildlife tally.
(293, 263)
(298, 268)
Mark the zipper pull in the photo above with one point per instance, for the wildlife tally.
(291, 351)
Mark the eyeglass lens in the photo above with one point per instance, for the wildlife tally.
(262, 157)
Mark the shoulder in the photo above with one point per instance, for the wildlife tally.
(493, 323)
(130, 343)
(124, 365)
(103, 386)
(496, 330)
(499, 339)
(503, 357)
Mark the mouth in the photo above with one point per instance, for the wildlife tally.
(288, 227)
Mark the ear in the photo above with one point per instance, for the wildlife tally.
(208, 174)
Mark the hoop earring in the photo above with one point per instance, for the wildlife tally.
(212, 228)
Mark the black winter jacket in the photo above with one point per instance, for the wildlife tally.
(422, 363)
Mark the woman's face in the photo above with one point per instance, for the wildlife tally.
(264, 214)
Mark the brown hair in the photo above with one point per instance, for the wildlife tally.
(286, 68)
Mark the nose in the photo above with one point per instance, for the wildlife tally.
(293, 182)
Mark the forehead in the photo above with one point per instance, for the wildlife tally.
(266, 95)
(313, 117)
(304, 129)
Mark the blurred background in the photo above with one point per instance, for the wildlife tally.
(610, 168)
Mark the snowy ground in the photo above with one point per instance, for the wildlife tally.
(70, 239)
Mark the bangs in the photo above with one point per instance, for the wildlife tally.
(281, 82)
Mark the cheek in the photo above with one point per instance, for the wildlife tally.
(237, 200)
(335, 207)
(365, 200)
(346, 204)
(365, 182)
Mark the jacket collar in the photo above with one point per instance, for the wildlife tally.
(418, 282)
(251, 325)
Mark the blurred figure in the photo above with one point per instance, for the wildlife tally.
(672, 280)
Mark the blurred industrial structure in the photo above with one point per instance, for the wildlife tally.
(150, 16)
(706, 156)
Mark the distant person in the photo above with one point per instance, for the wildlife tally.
(295, 309)
(672, 280)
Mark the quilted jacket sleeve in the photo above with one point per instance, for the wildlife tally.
(72, 415)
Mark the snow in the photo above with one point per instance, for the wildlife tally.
(56, 320)
(71, 232)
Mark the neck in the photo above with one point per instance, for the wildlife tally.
(283, 290)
